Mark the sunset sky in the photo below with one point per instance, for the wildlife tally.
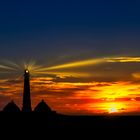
(87, 53)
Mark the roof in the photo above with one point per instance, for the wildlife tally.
(11, 107)
(43, 107)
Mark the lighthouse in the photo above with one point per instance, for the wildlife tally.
(26, 92)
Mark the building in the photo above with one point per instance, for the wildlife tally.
(26, 93)
(42, 107)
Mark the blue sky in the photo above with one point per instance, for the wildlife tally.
(44, 29)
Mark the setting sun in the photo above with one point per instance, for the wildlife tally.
(115, 108)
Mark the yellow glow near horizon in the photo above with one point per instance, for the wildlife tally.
(114, 107)
(113, 110)
(109, 107)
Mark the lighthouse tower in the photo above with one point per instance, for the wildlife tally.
(26, 92)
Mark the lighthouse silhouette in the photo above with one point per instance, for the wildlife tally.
(42, 107)
(26, 92)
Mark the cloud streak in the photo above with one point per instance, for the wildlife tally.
(94, 61)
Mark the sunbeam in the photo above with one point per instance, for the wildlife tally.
(37, 70)
(77, 64)
(94, 61)
(4, 67)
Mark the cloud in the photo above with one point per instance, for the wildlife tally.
(136, 75)
(3, 89)
(67, 97)
(13, 81)
(123, 59)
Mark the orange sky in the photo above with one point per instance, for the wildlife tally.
(77, 98)
(93, 86)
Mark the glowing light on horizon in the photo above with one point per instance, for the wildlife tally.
(114, 107)
(113, 110)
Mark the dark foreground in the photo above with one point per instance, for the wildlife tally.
(41, 123)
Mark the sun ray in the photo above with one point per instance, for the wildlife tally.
(12, 64)
(76, 64)
(36, 69)
(6, 67)
(94, 61)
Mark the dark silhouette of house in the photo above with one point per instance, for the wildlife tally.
(42, 107)
(11, 107)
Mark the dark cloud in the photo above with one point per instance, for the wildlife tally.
(137, 98)
(3, 89)
(13, 81)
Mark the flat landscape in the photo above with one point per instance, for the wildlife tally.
(71, 122)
